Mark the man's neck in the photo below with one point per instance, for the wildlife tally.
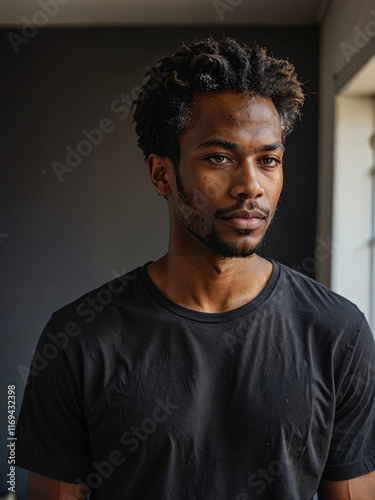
(210, 283)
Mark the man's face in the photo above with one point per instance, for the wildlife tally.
(229, 177)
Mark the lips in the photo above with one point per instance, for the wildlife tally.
(244, 219)
(244, 214)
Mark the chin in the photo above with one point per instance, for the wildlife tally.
(243, 246)
(231, 250)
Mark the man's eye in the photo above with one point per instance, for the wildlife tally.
(218, 159)
(271, 161)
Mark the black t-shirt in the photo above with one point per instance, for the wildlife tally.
(141, 398)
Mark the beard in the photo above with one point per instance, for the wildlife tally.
(194, 222)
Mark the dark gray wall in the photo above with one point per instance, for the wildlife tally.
(65, 238)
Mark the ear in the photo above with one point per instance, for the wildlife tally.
(160, 168)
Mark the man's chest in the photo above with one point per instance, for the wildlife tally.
(266, 396)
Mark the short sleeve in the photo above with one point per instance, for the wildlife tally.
(52, 436)
(352, 449)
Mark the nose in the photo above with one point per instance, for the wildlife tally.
(246, 182)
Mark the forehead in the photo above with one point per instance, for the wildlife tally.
(240, 116)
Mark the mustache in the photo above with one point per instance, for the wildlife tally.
(254, 205)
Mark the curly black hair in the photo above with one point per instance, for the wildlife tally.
(162, 107)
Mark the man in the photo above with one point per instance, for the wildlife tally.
(211, 373)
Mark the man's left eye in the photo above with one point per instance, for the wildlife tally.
(218, 159)
(271, 161)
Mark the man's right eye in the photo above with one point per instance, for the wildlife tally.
(218, 159)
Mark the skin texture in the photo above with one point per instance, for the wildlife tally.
(209, 255)
(44, 488)
(358, 488)
(231, 159)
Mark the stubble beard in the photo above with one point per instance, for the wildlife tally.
(193, 221)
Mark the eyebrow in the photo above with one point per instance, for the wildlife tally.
(272, 147)
(232, 145)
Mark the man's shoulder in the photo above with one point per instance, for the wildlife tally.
(92, 304)
(312, 298)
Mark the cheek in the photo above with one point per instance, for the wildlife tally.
(277, 183)
(277, 192)
(273, 188)
(213, 186)
(194, 208)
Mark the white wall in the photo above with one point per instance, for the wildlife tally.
(355, 124)
(347, 43)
